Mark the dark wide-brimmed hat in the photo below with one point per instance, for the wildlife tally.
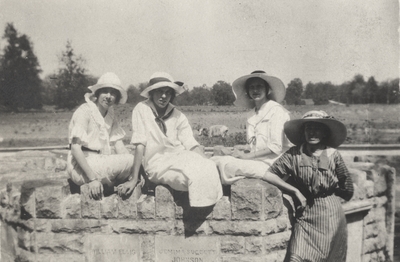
(337, 130)
(278, 90)
(161, 79)
(109, 79)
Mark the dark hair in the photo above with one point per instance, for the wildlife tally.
(247, 86)
(101, 90)
(172, 95)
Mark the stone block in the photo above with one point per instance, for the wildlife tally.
(380, 182)
(121, 248)
(49, 243)
(222, 209)
(253, 245)
(232, 245)
(374, 244)
(369, 188)
(375, 215)
(380, 201)
(25, 239)
(164, 203)
(49, 198)
(247, 199)
(278, 241)
(141, 227)
(90, 208)
(269, 227)
(359, 193)
(146, 207)
(147, 245)
(28, 201)
(178, 212)
(127, 207)
(43, 225)
(109, 207)
(244, 228)
(60, 258)
(71, 206)
(179, 248)
(273, 202)
(358, 176)
(76, 226)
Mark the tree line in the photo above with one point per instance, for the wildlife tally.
(22, 88)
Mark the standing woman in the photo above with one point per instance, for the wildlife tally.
(164, 140)
(317, 170)
(93, 130)
(263, 94)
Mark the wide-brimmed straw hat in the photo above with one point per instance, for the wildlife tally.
(337, 130)
(161, 79)
(110, 79)
(278, 90)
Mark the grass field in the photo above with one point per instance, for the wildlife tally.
(372, 124)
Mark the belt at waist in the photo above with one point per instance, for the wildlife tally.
(87, 149)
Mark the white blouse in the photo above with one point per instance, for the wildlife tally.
(95, 131)
(145, 131)
(265, 128)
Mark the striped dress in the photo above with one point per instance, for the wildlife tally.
(320, 231)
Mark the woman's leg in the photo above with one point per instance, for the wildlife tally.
(188, 171)
(233, 169)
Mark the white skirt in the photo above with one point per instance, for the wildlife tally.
(188, 171)
(111, 169)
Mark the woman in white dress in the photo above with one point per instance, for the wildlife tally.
(264, 126)
(164, 140)
(93, 130)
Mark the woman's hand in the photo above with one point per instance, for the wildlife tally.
(302, 201)
(127, 188)
(95, 189)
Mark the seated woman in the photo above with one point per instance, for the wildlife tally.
(317, 171)
(164, 140)
(93, 130)
(262, 93)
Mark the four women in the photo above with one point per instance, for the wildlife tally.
(312, 171)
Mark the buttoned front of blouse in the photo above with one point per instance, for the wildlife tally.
(265, 129)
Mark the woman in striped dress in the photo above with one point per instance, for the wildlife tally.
(317, 170)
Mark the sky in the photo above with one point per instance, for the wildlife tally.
(204, 41)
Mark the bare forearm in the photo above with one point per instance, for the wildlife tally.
(137, 162)
(81, 159)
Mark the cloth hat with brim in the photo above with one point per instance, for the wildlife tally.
(337, 130)
(278, 90)
(159, 80)
(110, 79)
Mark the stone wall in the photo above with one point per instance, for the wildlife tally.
(44, 219)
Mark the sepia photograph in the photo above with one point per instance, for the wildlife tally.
(199, 130)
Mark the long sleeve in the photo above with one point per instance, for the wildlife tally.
(185, 133)
(345, 188)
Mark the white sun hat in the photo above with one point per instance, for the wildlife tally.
(161, 79)
(110, 79)
(278, 90)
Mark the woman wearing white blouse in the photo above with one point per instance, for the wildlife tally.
(164, 140)
(93, 130)
(263, 94)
